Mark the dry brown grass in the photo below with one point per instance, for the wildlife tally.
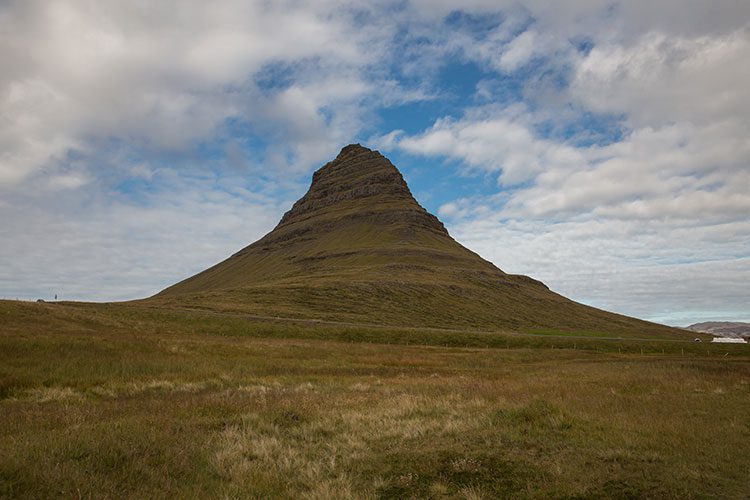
(161, 408)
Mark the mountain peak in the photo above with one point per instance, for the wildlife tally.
(358, 247)
(354, 162)
(354, 148)
(363, 181)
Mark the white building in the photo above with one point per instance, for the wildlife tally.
(728, 340)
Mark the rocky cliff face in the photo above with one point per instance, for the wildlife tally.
(364, 177)
(360, 187)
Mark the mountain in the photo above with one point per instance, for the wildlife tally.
(722, 328)
(359, 248)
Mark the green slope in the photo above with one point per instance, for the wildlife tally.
(359, 248)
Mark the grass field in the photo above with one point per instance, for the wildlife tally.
(130, 401)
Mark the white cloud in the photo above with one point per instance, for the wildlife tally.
(500, 143)
(658, 219)
(660, 80)
(95, 248)
(652, 269)
(161, 76)
(653, 224)
(679, 172)
(519, 51)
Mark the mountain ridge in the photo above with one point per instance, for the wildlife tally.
(730, 329)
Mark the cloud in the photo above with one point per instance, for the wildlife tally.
(651, 220)
(681, 172)
(104, 248)
(653, 269)
(164, 77)
(660, 80)
(658, 218)
(497, 142)
(519, 51)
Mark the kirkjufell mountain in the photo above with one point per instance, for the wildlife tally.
(359, 248)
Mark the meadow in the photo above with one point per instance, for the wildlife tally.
(130, 401)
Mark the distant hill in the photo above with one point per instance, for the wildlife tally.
(723, 328)
(359, 248)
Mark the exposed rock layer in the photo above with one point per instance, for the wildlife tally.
(367, 179)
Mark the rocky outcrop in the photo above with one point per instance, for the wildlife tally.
(363, 177)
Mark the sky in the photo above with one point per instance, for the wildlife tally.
(600, 146)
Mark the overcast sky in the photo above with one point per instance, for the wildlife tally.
(601, 146)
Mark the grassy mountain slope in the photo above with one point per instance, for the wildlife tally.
(359, 248)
